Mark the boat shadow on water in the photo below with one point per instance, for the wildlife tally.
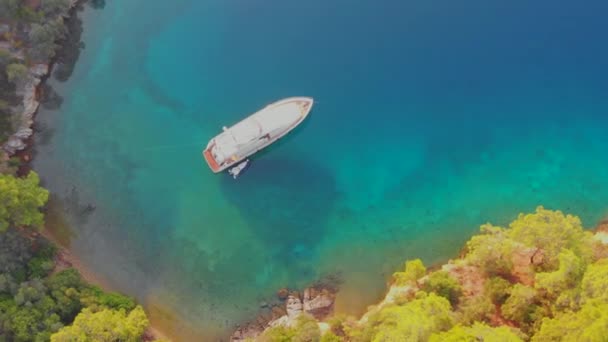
(286, 202)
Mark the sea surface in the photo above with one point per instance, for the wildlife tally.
(431, 118)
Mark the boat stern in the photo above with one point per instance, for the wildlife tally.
(213, 165)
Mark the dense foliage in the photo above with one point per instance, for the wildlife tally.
(413, 321)
(40, 303)
(414, 270)
(104, 325)
(34, 305)
(20, 201)
(30, 30)
(306, 329)
(542, 279)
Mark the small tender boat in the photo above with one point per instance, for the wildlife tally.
(237, 170)
(256, 132)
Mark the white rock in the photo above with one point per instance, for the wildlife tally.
(293, 306)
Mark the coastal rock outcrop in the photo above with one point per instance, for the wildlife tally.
(318, 303)
(315, 301)
(30, 104)
(29, 91)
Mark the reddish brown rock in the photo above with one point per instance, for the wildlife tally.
(602, 226)
(318, 302)
(523, 261)
(471, 278)
(283, 293)
(277, 311)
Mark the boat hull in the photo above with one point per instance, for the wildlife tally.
(256, 132)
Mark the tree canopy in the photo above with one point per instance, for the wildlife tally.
(476, 332)
(413, 321)
(104, 325)
(16, 72)
(551, 231)
(590, 324)
(21, 200)
(414, 270)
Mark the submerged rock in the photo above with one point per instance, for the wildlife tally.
(283, 293)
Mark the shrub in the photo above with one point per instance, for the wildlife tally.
(15, 252)
(330, 337)
(105, 325)
(588, 324)
(64, 287)
(567, 276)
(20, 201)
(39, 267)
(491, 251)
(443, 284)
(478, 308)
(414, 270)
(477, 332)
(110, 300)
(307, 329)
(521, 304)
(277, 334)
(497, 289)
(53, 8)
(414, 321)
(44, 37)
(595, 282)
(337, 323)
(16, 72)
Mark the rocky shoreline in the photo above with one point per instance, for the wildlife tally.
(317, 301)
(471, 279)
(29, 90)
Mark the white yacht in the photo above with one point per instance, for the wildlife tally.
(255, 132)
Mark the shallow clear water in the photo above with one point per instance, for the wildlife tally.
(431, 118)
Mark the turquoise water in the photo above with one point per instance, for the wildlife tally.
(431, 118)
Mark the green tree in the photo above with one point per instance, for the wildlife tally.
(330, 337)
(414, 270)
(65, 288)
(497, 289)
(568, 276)
(551, 231)
(94, 297)
(595, 282)
(307, 329)
(590, 324)
(16, 72)
(105, 325)
(44, 38)
(20, 201)
(491, 251)
(475, 333)
(414, 321)
(15, 253)
(443, 284)
(53, 8)
(521, 305)
(478, 308)
(10, 8)
(277, 334)
(31, 314)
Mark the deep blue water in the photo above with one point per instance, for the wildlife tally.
(431, 118)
